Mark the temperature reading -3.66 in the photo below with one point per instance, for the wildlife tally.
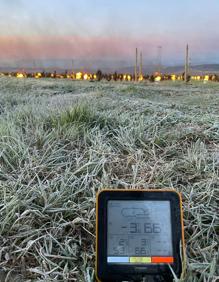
(148, 227)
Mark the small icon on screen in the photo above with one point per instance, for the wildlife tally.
(135, 212)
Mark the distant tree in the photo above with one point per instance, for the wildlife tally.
(151, 78)
(99, 75)
(215, 77)
(115, 76)
(65, 74)
(108, 77)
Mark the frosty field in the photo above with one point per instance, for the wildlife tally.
(61, 141)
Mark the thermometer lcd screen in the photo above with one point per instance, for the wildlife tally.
(139, 232)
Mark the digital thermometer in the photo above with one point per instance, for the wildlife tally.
(138, 234)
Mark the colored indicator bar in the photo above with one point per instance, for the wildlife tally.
(162, 259)
(118, 259)
(140, 259)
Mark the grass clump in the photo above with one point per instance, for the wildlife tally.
(81, 115)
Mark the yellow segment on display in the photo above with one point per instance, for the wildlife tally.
(140, 259)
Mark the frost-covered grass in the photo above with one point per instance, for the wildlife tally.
(62, 141)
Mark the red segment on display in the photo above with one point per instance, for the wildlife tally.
(162, 260)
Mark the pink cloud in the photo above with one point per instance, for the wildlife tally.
(67, 46)
(14, 47)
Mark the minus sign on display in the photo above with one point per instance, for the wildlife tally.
(124, 226)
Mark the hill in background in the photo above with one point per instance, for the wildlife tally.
(147, 69)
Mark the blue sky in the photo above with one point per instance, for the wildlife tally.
(109, 28)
